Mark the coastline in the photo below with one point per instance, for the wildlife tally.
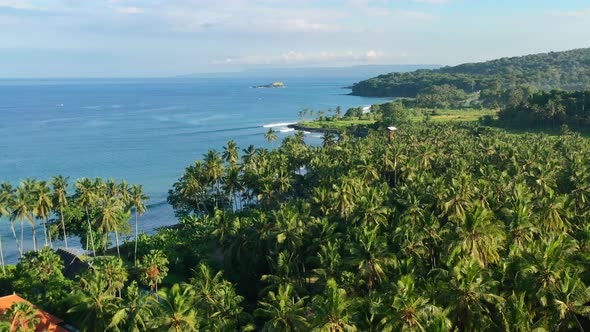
(297, 126)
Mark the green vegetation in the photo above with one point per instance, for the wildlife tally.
(447, 227)
(456, 85)
(395, 113)
(551, 108)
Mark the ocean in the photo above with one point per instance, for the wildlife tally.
(144, 130)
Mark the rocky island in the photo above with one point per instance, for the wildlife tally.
(271, 85)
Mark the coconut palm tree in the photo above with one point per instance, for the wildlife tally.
(271, 135)
(60, 200)
(370, 254)
(133, 314)
(571, 300)
(230, 153)
(333, 310)
(283, 310)
(137, 199)
(86, 198)
(22, 317)
(479, 236)
(93, 305)
(23, 209)
(6, 204)
(113, 271)
(407, 310)
(43, 206)
(175, 310)
(111, 218)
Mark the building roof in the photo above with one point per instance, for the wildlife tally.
(391, 128)
(48, 322)
(73, 265)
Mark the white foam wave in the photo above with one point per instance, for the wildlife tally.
(282, 124)
(286, 130)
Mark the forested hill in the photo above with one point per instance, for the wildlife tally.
(568, 70)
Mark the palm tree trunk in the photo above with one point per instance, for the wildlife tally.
(63, 226)
(117, 243)
(34, 234)
(136, 234)
(45, 230)
(90, 233)
(18, 245)
(2, 256)
(22, 236)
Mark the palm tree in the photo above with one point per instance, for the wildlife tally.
(6, 204)
(23, 209)
(479, 236)
(60, 199)
(134, 313)
(110, 219)
(113, 271)
(43, 207)
(571, 300)
(371, 256)
(284, 311)
(333, 310)
(469, 295)
(86, 199)
(175, 310)
(93, 305)
(407, 311)
(230, 153)
(22, 317)
(137, 200)
(216, 300)
(271, 135)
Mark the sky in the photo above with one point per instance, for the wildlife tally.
(159, 38)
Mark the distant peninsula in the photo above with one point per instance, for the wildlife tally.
(271, 85)
(568, 70)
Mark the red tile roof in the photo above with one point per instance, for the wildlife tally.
(48, 322)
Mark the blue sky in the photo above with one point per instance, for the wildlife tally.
(132, 38)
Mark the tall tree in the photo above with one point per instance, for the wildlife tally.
(137, 199)
(86, 198)
(176, 310)
(43, 206)
(60, 200)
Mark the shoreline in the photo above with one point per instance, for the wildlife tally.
(299, 127)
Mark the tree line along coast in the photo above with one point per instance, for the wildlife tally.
(452, 224)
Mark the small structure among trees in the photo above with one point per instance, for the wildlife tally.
(391, 132)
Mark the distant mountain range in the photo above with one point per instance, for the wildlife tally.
(569, 70)
(357, 72)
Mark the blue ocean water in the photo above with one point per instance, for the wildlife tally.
(143, 130)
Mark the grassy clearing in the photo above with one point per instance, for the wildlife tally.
(417, 116)
(454, 115)
(337, 124)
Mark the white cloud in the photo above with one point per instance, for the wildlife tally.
(17, 4)
(129, 10)
(582, 13)
(314, 58)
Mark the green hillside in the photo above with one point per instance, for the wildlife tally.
(569, 70)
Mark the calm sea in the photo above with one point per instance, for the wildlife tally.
(143, 130)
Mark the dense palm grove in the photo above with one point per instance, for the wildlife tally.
(549, 109)
(568, 70)
(442, 228)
